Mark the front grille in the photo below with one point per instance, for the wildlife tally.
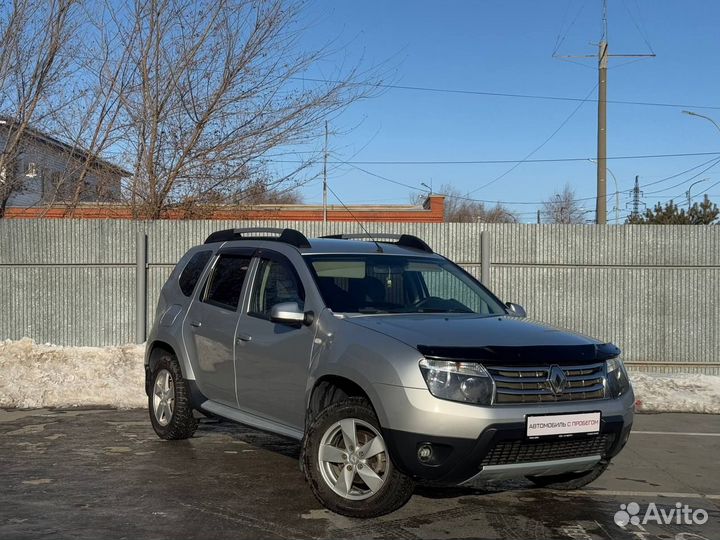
(528, 451)
(522, 384)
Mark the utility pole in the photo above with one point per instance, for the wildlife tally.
(325, 186)
(601, 198)
(603, 56)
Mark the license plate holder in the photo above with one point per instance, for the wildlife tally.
(562, 425)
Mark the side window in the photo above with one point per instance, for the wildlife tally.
(191, 274)
(275, 283)
(225, 284)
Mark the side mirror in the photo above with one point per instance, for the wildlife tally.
(516, 309)
(290, 313)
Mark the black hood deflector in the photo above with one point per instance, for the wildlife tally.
(524, 356)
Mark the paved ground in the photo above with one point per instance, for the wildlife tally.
(104, 474)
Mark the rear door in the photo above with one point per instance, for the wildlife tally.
(211, 322)
(272, 359)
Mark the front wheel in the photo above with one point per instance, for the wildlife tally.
(570, 481)
(347, 463)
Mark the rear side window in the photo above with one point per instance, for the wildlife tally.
(226, 282)
(193, 269)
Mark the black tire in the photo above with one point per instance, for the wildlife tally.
(570, 481)
(397, 487)
(182, 423)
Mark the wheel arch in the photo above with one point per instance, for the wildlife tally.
(332, 388)
(154, 352)
(152, 356)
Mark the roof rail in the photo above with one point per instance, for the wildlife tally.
(287, 236)
(404, 240)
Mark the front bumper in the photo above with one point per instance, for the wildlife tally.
(503, 451)
(470, 442)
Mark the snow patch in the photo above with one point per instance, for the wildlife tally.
(34, 376)
(677, 392)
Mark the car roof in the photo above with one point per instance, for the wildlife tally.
(284, 239)
(334, 246)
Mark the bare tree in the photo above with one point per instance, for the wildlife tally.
(191, 95)
(93, 123)
(215, 86)
(461, 209)
(563, 207)
(36, 37)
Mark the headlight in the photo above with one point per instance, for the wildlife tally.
(467, 382)
(618, 381)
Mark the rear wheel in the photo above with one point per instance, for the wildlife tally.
(569, 481)
(347, 463)
(169, 401)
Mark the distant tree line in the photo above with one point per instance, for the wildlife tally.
(703, 213)
(563, 207)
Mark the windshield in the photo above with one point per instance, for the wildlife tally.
(369, 284)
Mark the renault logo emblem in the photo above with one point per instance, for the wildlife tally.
(557, 380)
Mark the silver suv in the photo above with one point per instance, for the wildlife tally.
(389, 362)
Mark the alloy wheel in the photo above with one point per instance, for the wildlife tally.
(353, 459)
(163, 397)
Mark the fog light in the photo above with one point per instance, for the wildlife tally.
(425, 453)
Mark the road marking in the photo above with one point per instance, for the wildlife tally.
(675, 433)
(612, 493)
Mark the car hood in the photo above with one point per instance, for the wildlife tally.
(490, 339)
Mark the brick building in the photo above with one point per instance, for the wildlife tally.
(431, 211)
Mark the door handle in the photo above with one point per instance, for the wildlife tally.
(243, 337)
(195, 324)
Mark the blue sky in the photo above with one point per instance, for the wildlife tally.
(507, 46)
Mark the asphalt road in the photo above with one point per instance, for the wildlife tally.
(104, 474)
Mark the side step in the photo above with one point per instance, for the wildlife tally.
(251, 420)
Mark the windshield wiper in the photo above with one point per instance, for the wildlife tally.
(371, 311)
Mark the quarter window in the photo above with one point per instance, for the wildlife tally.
(225, 283)
(191, 274)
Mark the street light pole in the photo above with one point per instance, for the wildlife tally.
(714, 123)
(617, 191)
(689, 198)
(691, 113)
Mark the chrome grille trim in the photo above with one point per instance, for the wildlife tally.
(515, 385)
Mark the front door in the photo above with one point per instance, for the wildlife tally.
(210, 325)
(272, 359)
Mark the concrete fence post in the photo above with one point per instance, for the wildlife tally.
(485, 258)
(140, 286)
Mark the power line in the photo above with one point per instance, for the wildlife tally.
(559, 41)
(501, 161)
(519, 203)
(547, 140)
(686, 180)
(459, 197)
(506, 94)
(678, 174)
(641, 31)
(709, 188)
